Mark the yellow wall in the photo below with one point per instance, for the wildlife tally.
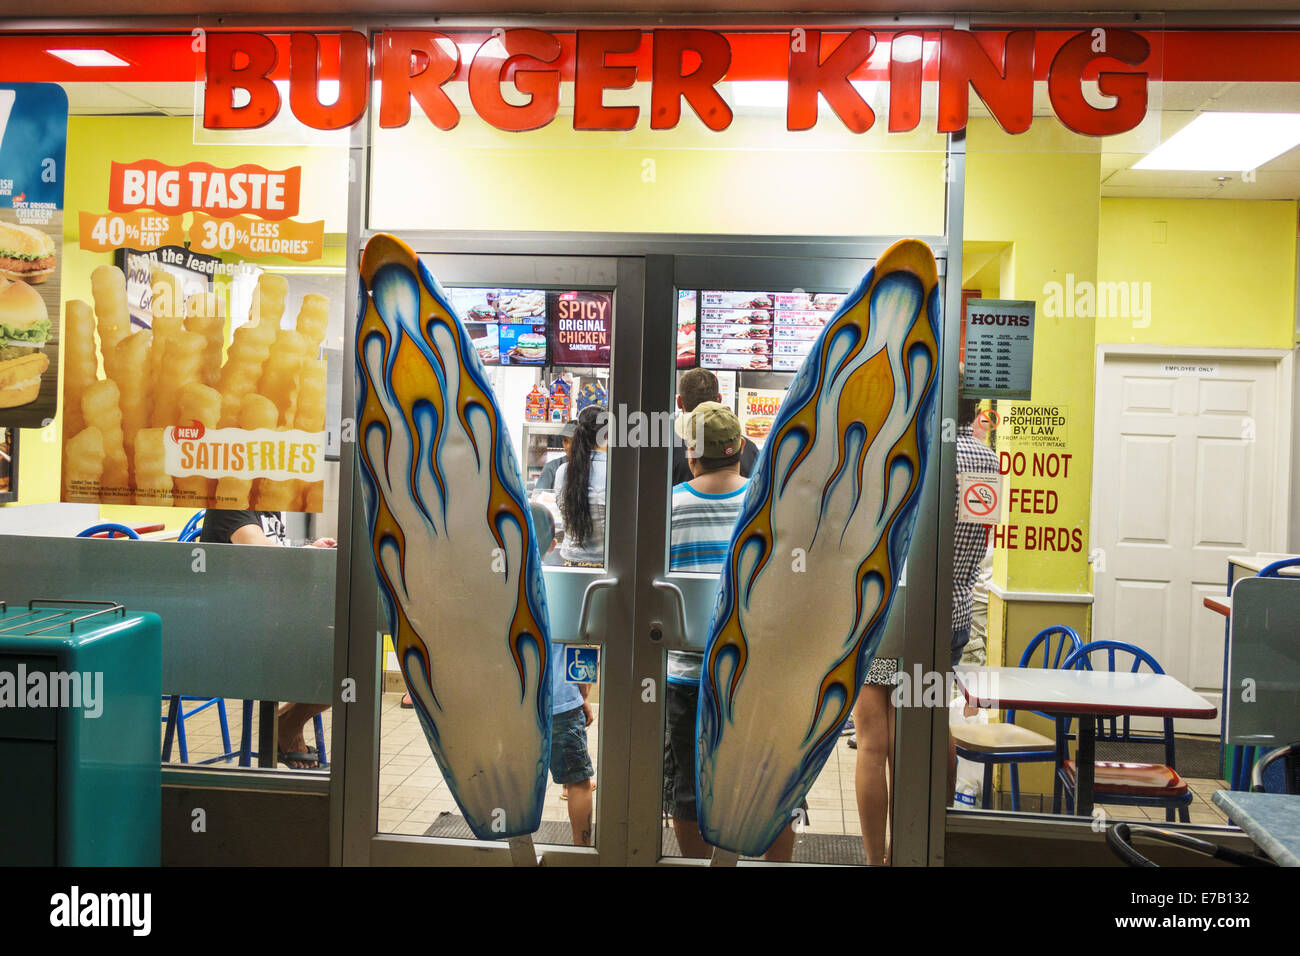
(1221, 272)
(766, 180)
(1024, 190)
(93, 143)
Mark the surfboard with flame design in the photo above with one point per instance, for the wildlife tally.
(453, 544)
(818, 546)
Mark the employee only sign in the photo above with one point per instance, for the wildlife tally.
(979, 498)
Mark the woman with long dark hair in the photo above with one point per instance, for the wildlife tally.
(580, 490)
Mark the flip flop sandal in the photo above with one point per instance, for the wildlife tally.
(298, 756)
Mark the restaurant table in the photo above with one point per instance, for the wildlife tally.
(1081, 694)
(1272, 820)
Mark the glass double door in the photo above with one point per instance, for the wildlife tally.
(621, 330)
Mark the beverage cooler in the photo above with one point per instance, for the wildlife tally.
(80, 691)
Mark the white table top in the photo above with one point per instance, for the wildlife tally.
(1081, 692)
(1257, 562)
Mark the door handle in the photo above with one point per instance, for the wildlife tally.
(599, 584)
(679, 604)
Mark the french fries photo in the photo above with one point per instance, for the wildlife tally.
(186, 374)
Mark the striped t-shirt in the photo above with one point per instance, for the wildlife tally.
(701, 536)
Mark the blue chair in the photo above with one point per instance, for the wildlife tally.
(175, 720)
(193, 528)
(112, 529)
(1122, 784)
(995, 743)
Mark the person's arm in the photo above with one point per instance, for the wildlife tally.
(251, 534)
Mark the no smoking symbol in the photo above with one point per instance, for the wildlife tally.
(981, 499)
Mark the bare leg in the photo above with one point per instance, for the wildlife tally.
(873, 717)
(292, 719)
(689, 839)
(782, 851)
(580, 811)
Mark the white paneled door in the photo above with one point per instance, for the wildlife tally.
(1188, 468)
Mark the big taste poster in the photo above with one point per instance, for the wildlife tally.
(195, 374)
(33, 141)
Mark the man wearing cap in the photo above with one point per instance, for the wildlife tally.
(703, 517)
(696, 386)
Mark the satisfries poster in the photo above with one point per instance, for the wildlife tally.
(33, 141)
(171, 407)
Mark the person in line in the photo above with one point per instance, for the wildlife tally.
(266, 528)
(695, 386)
(970, 543)
(873, 773)
(704, 512)
(873, 713)
(546, 480)
(571, 766)
(580, 484)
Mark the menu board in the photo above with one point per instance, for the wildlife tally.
(762, 331)
(688, 310)
(999, 349)
(798, 319)
(581, 326)
(506, 326)
(736, 330)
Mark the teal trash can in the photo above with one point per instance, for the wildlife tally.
(80, 775)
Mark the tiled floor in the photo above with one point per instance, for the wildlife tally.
(412, 793)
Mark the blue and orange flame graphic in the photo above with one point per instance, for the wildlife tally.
(817, 549)
(453, 543)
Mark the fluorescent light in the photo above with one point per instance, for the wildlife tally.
(760, 94)
(88, 57)
(907, 48)
(1226, 141)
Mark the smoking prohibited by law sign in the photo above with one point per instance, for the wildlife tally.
(979, 498)
(999, 349)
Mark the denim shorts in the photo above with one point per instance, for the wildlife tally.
(679, 749)
(570, 761)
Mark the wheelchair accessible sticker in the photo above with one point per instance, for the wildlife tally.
(581, 664)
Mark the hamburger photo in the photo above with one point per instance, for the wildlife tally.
(758, 426)
(25, 253)
(531, 347)
(24, 329)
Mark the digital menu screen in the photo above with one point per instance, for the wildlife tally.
(688, 306)
(760, 331)
(736, 329)
(506, 326)
(581, 327)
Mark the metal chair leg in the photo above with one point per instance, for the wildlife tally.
(173, 712)
(320, 741)
(987, 801)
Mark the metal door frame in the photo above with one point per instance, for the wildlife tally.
(629, 820)
(746, 264)
(611, 627)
